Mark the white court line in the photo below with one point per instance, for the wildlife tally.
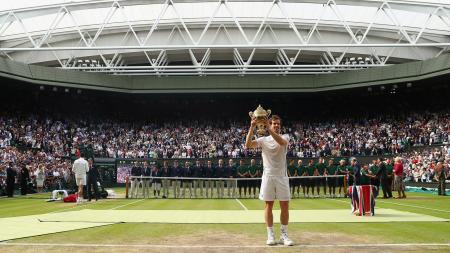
(127, 204)
(381, 201)
(422, 207)
(340, 200)
(229, 246)
(75, 206)
(240, 203)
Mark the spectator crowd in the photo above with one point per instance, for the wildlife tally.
(421, 165)
(36, 142)
(194, 139)
(53, 172)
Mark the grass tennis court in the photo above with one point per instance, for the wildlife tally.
(117, 225)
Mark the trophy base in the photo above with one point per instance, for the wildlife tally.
(261, 128)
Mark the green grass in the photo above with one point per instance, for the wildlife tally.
(401, 232)
(184, 204)
(305, 233)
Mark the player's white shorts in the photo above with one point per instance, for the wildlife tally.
(275, 187)
(80, 180)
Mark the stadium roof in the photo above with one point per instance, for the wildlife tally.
(222, 37)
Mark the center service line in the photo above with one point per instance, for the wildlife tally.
(240, 203)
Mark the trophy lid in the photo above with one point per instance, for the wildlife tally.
(260, 112)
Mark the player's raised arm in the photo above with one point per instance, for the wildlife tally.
(249, 142)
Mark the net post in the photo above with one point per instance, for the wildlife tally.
(345, 185)
(126, 186)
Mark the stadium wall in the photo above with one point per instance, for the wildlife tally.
(407, 72)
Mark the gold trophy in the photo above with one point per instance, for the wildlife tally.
(260, 114)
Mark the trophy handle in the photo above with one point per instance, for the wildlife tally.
(250, 114)
(268, 112)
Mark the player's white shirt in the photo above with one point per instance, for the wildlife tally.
(273, 155)
(80, 167)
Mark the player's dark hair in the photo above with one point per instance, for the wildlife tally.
(275, 117)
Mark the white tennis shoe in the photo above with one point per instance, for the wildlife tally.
(271, 240)
(284, 239)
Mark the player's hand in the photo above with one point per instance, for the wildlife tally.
(253, 122)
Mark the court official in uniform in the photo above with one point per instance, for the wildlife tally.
(187, 183)
(331, 170)
(198, 182)
(242, 172)
(292, 172)
(165, 182)
(382, 175)
(24, 179)
(342, 171)
(310, 169)
(355, 171)
(10, 180)
(92, 179)
(136, 173)
(301, 171)
(176, 171)
(157, 173)
(230, 172)
(321, 181)
(219, 172)
(440, 177)
(146, 182)
(252, 172)
(390, 177)
(208, 173)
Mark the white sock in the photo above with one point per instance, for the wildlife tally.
(284, 229)
(270, 232)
